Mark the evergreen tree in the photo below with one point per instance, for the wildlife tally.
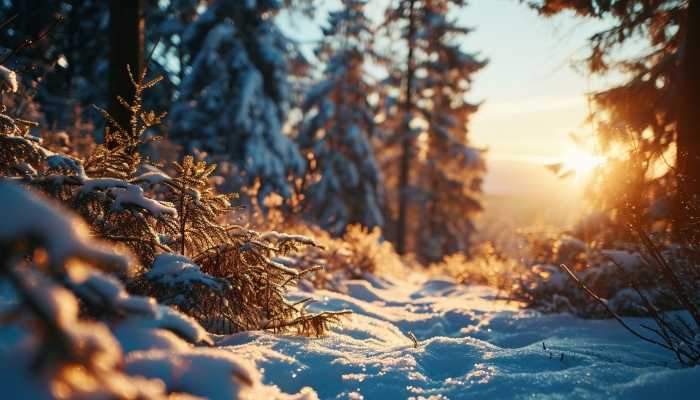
(339, 124)
(439, 174)
(655, 110)
(233, 101)
(404, 14)
(450, 178)
(168, 22)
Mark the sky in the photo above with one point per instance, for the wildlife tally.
(533, 98)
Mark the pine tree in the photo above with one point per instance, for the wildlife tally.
(653, 111)
(450, 170)
(405, 13)
(439, 173)
(234, 100)
(338, 127)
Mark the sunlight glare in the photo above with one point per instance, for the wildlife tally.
(581, 162)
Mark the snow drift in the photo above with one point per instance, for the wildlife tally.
(470, 346)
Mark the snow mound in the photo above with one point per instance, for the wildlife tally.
(64, 236)
(470, 345)
(8, 78)
(173, 270)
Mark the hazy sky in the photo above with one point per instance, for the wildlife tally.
(533, 98)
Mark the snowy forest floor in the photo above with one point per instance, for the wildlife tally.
(471, 345)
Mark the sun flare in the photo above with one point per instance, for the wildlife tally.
(581, 162)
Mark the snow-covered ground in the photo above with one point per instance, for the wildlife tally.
(470, 346)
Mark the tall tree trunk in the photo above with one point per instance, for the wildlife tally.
(407, 140)
(688, 143)
(126, 41)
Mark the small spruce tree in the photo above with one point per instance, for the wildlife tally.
(232, 281)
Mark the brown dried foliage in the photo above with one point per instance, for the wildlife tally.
(152, 213)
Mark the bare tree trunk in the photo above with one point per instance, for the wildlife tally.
(126, 41)
(688, 143)
(407, 140)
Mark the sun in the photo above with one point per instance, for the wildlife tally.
(581, 162)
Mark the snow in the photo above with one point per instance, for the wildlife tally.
(207, 373)
(173, 270)
(64, 236)
(127, 194)
(9, 79)
(152, 178)
(181, 325)
(625, 259)
(470, 346)
(134, 195)
(277, 237)
(202, 372)
(108, 291)
(63, 161)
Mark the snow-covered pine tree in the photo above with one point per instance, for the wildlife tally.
(438, 173)
(338, 127)
(451, 170)
(234, 99)
(401, 17)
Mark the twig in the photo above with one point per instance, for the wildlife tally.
(414, 339)
(609, 310)
(7, 21)
(669, 274)
(29, 42)
(135, 239)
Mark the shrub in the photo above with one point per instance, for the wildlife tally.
(55, 272)
(559, 273)
(488, 267)
(678, 289)
(127, 201)
(358, 254)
